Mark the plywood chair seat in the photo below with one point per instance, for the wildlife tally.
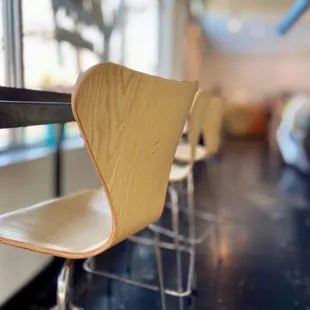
(183, 153)
(72, 227)
(179, 172)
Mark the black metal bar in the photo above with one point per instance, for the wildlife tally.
(21, 94)
(20, 114)
(58, 161)
(24, 107)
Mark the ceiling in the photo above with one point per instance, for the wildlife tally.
(250, 6)
(258, 21)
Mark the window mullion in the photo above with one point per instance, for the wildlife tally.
(18, 62)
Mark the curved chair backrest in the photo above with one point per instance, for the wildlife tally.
(212, 127)
(131, 123)
(196, 119)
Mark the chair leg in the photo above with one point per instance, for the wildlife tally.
(191, 213)
(64, 285)
(160, 270)
(176, 230)
(190, 203)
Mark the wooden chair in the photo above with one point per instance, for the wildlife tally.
(195, 125)
(213, 125)
(131, 124)
(209, 123)
(179, 173)
(211, 131)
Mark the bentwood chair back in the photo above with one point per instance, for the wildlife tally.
(196, 120)
(212, 126)
(206, 117)
(131, 124)
(191, 151)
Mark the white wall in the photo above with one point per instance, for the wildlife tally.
(255, 76)
(27, 183)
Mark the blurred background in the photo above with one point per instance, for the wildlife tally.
(237, 47)
(254, 54)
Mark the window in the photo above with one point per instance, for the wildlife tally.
(71, 130)
(2, 81)
(55, 53)
(35, 134)
(141, 35)
(67, 38)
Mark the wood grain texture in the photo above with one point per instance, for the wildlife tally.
(70, 227)
(131, 123)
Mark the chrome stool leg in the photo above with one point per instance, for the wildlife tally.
(64, 283)
(177, 246)
(193, 238)
(191, 213)
(63, 286)
(150, 242)
(160, 270)
(190, 204)
(175, 227)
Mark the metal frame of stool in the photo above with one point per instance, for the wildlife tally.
(64, 285)
(159, 288)
(159, 245)
(150, 242)
(192, 213)
(180, 244)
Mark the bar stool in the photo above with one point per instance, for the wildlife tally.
(178, 173)
(211, 130)
(131, 124)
